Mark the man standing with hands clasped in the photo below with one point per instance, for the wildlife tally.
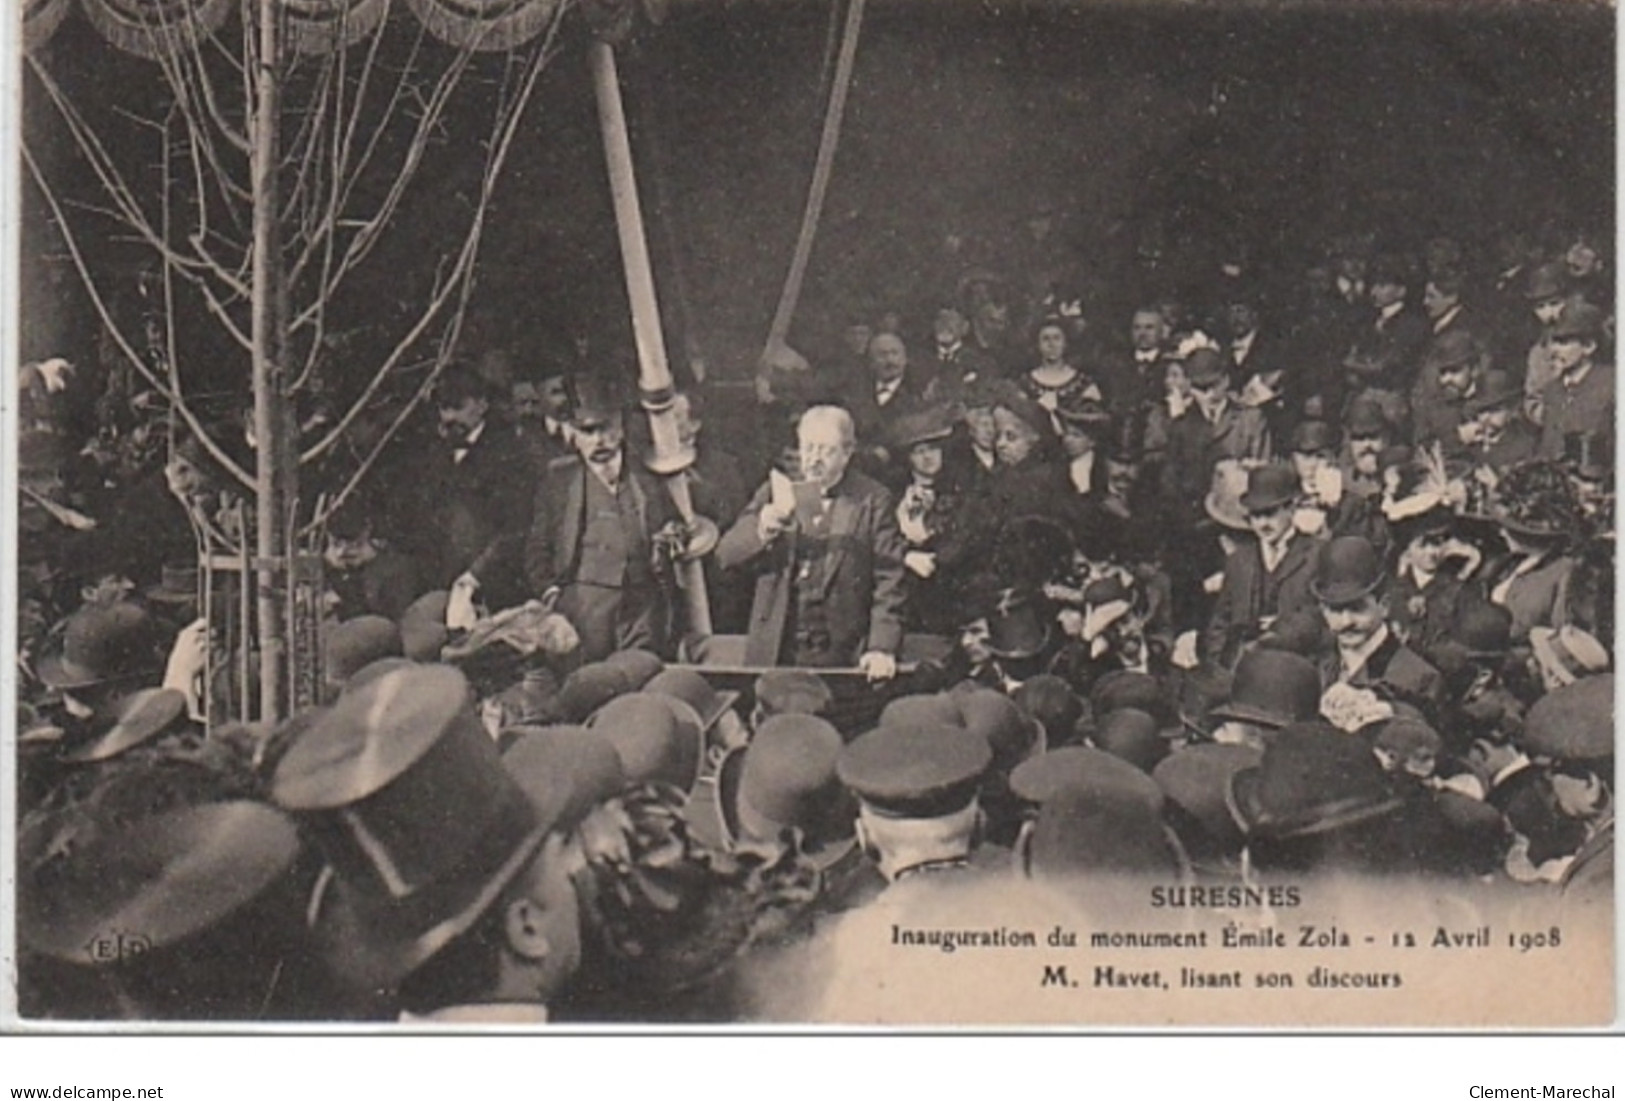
(827, 557)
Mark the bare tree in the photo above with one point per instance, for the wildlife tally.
(278, 165)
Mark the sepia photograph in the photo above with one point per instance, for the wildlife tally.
(861, 514)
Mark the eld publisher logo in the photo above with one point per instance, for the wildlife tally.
(115, 945)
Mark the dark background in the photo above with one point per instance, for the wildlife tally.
(1198, 127)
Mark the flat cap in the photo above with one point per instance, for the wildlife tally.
(1574, 723)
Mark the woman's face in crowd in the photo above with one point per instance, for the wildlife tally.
(984, 430)
(1427, 551)
(925, 459)
(1051, 343)
(1175, 381)
(1016, 439)
(1076, 440)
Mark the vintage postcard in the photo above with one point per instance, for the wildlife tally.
(1042, 514)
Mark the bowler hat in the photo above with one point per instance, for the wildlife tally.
(1366, 420)
(135, 719)
(792, 692)
(1313, 779)
(1204, 367)
(1567, 654)
(1197, 780)
(1271, 688)
(1132, 735)
(177, 583)
(101, 644)
(588, 688)
(1011, 733)
(935, 422)
(657, 737)
(1270, 487)
(356, 643)
(1015, 629)
(423, 626)
(565, 765)
(1545, 281)
(785, 779)
(918, 710)
(1083, 771)
(1076, 835)
(1482, 629)
(915, 772)
(1495, 389)
(1050, 701)
(640, 666)
(1313, 437)
(1575, 722)
(1347, 569)
(423, 828)
(693, 689)
(156, 882)
(1300, 631)
(1452, 349)
(1580, 320)
(1126, 688)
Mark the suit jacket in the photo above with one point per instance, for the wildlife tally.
(1195, 446)
(1424, 615)
(1587, 406)
(462, 509)
(872, 420)
(1393, 671)
(1249, 594)
(1390, 350)
(863, 584)
(1539, 598)
(553, 546)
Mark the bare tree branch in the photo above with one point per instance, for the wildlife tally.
(173, 396)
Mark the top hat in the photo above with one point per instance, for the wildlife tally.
(1085, 771)
(135, 719)
(1496, 388)
(1311, 437)
(1015, 630)
(1312, 779)
(102, 644)
(1132, 735)
(1204, 367)
(1580, 320)
(1197, 780)
(1271, 688)
(1347, 569)
(1573, 723)
(1223, 500)
(658, 738)
(917, 771)
(1012, 734)
(933, 423)
(159, 881)
(693, 689)
(785, 778)
(593, 402)
(1270, 487)
(1452, 349)
(406, 795)
(792, 692)
(1545, 281)
(177, 583)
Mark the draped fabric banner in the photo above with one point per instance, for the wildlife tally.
(152, 28)
(41, 19)
(485, 24)
(322, 26)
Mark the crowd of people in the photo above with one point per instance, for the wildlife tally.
(1268, 584)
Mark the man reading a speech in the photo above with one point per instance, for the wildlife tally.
(827, 557)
